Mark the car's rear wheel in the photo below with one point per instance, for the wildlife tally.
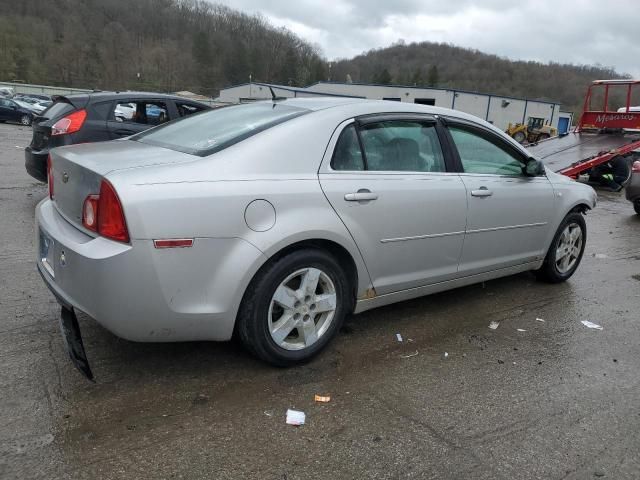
(293, 307)
(543, 136)
(636, 206)
(566, 250)
(25, 120)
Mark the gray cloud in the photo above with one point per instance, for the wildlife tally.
(580, 32)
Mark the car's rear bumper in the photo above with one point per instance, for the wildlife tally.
(145, 294)
(35, 161)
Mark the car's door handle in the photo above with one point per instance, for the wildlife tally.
(481, 192)
(362, 195)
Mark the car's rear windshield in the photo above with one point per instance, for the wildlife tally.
(214, 130)
(58, 109)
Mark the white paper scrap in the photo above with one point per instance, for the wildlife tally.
(295, 417)
(399, 337)
(589, 324)
(494, 325)
(521, 329)
(539, 320)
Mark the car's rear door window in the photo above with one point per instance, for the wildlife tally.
(185, 109)
(141, 112)
(479, 154)
(347, 154)
(402, 145)
(218, 129)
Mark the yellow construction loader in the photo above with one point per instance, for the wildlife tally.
(532, 132)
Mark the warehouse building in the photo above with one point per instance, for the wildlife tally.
(496, 109)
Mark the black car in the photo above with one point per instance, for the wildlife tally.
(10, 111)
(97, 117)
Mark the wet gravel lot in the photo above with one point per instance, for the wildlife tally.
(557, 400)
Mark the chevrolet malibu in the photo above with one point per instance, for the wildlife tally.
(276, 219)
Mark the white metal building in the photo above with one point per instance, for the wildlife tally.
(497, 109)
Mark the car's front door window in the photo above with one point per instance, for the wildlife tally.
(479, 155)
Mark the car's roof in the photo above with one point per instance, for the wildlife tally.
(100, 96)
(363, 106)
(354, 107)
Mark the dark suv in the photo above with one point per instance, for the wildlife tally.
(97, 117)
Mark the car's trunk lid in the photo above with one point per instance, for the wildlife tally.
(79, 169)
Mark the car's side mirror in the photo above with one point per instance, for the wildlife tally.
(533, 167)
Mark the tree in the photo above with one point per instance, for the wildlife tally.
(433, 77)
(417, 78)
(383, 78)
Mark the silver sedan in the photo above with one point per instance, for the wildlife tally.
(275, 220)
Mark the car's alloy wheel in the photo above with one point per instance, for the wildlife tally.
(25, 120)
(569, 248)
(566, 250)
(302, 309)
(294, 306)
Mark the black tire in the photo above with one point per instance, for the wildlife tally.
(549, 272)
(252, 325)
(543, 136)
(519, 137)
(636, 206)
(25, 120)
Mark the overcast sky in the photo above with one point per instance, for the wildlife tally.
(568, 31)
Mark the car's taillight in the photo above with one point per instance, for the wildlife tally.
(635, 168)
(69, 124)
(50, 176)
(104, 214)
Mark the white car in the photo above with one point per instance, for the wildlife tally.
(125, 111)
(34, 107)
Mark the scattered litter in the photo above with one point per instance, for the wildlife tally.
(514, 363)
(322, 398)
(521, 329)
(446, 355)
(295, 417)
(494, 325)
(18, 146)
(464, 355)
(268, 414)
(539, 320)
(410, 355)
(399, 337)
(500, 362)
(589, 324)
(600, 255)
(410, 340)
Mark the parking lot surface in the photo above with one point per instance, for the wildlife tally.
(555, 400)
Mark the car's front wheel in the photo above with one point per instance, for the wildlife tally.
(293, 307)
(25, 120)
(566, 250)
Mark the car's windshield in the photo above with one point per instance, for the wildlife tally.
(209, 132)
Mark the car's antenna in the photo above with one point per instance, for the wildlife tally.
(273, 95)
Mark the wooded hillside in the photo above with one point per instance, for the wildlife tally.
(171, 44)
(447, 66)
